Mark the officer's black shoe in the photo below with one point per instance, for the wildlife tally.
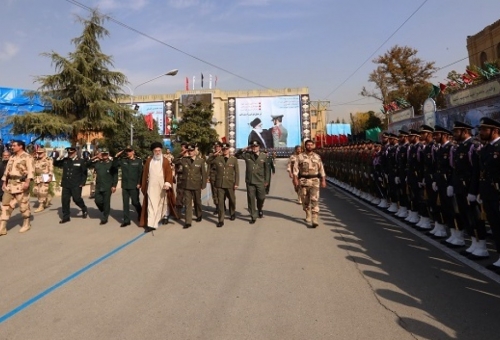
(220, 224)
(148, 229)
(165, 220)
(85, 213)
(103, 222)
(198, 219)
(252, 221)
(233, 217)
(125, 224)
(64, 220)
(261, 214)
(186, 226)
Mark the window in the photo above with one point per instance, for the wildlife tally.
(483, 58)
(314, 126)
(314, 113)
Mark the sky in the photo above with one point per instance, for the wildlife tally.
(325, 45)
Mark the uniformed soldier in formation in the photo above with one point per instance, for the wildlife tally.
(44, 173)
(74, 176)
(489, 179)
(194, 180)
(308, 172)
(106, 182)
(256, 178)
(289, 168)
(226, 181)
(131, 181)
(212, 169)
(19, 172)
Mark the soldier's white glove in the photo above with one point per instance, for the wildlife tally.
(406, 179)
(167, 186)
(479, 200)
(449, 191)
(386, 177)
(371, 175)
(434, 186)
(423, 182)
(421, 185)
(366, 175)
(397, 180)
(380, 179)
(471, 198)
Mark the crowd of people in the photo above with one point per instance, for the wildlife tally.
(444, 182)
(170, 186)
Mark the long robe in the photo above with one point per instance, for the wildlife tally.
(158, 199)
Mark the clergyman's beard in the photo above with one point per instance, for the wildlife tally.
(157, 157)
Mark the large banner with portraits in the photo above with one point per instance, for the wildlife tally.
(157, 111)
(275, 122)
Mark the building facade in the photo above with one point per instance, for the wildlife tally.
(485, 45)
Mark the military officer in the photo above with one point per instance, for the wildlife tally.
(131, 181)
(308, 172)
(256, 178)
(289, 169)
(106, 182)
(226, 181)
(489, 179)
(271, 168)
(74, 176)
(279, 133)
(44, 173)
(195, 180)
(19, 172)
(179, 180)
(212, 169)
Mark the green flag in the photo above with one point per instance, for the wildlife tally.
(435, 91)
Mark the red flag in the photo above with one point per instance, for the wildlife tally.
(466, 79)
(187, 84)
(442, 87)
(472, 75)
(149, 121)
(224, 140)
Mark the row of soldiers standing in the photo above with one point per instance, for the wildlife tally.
(445, 182)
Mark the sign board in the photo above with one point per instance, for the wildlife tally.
(476, 93)
(402, 115)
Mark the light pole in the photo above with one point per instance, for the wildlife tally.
(169, 73)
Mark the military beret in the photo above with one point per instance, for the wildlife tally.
(72, 147)
(426, 128)
(156, 145)
(414, 132)
(254, 143)
(461, 125)
(440, 129)
(488, 122)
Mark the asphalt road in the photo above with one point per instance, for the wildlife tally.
(357, 276)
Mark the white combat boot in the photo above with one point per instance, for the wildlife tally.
(452, 236)
(403, 212)
(376, 201)
(440, 231)
(473, 246)
(409, 216)
(414, 218)
(458, 241)
(393, 208)
(426, 223)
(383, 204)
(481, 250)
(420, 220)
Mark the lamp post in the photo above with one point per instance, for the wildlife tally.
(169, 73)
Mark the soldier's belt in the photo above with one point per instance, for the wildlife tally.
(16, 177)
(309, 176)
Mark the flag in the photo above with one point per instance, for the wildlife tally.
(202, 80)
(466, 79)
(194, 79)
(187, 84)
(472, 75)
(210, 81)
(434, 92)
(215, 85)
(442, 87)
(149, 121)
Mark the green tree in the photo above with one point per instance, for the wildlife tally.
(373, 121)
(401, 74)
(83, 93)
(117, 139)
(196, 126)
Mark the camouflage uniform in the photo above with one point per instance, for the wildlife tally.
(43, 166)
(309, 169)
(291, 161)
(19, 170)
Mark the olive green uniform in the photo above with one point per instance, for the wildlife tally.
(227, 176)
(107, 178)
(131, 180)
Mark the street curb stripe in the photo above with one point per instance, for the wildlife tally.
(59, 284)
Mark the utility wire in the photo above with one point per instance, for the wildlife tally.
(76, 3)
(371, 56)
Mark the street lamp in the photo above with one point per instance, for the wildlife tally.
(169, 73)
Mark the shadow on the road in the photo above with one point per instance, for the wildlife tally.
(403, 269)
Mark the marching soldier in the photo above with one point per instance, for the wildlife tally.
(107, 179)
(195, 180)
(74, 176)
(289, 168)
(308, 172)
(212, 169)
(256, 178)
(131, 181)
(226, 181)
(16, 179)
(44, 173)
(489, 179)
